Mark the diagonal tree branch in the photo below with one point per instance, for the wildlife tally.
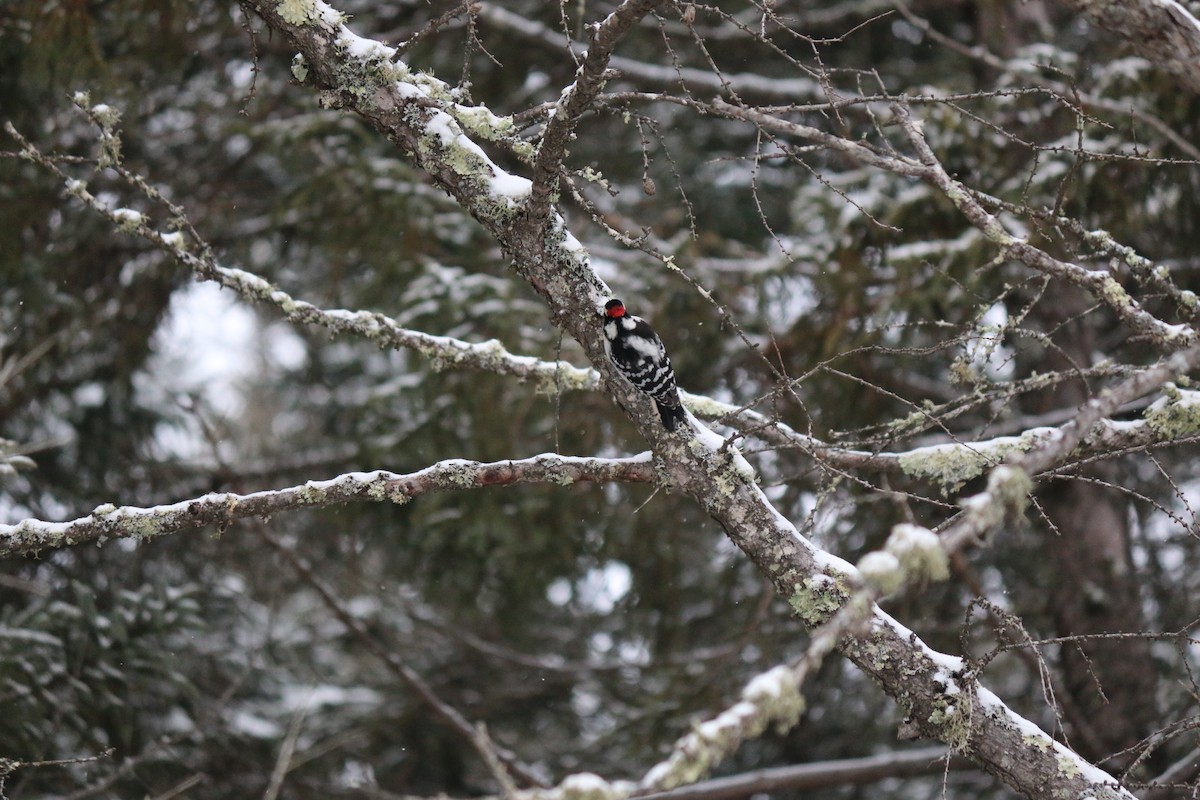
(1163, 31)
(926, 166)
(448, 714)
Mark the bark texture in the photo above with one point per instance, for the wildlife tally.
(1161, 31)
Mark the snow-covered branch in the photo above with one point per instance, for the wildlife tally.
(443, 352)
(1163, 31)
(1103, 285)
(222, 509)
(1176, 415)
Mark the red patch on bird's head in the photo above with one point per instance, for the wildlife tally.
(614, 308)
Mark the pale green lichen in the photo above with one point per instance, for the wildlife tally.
(143, 526)
(128, 220)
(913, 422)
(297, 12)
(882, 571)
(480, 121)
(1114, 293)
(175, 240)
(703, 406)
(952, 465)
(565, 377)
(911, 554)
(728, 468)
(460, 476)
(1176, 415)
(777, 692)
(1068, 765)
(1036, 741)
(310, 494)
(817, 598)
(106, 115)
(110, 149)
(1010, 486)
(919, 552)
(363, 72)
(952, 716)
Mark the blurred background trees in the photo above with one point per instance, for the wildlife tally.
(586, 626)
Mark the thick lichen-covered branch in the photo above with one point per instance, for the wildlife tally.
(1176, 416)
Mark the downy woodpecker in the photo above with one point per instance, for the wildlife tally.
(641, 357)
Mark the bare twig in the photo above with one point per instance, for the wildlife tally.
(589, 80)
(489, 751)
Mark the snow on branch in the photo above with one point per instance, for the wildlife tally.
(926, 166)
(443, 351)
(1176, 415)
(771, 698)
(222, 509)
(422, 115)
(1163, 31)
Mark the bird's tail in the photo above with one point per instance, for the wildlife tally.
(671, 415)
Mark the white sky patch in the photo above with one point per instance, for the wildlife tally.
(985, 351)
(599, 590)
(284, 346)
(205, 345)
(204, 349)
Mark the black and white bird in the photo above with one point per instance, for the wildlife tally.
(640, 356)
